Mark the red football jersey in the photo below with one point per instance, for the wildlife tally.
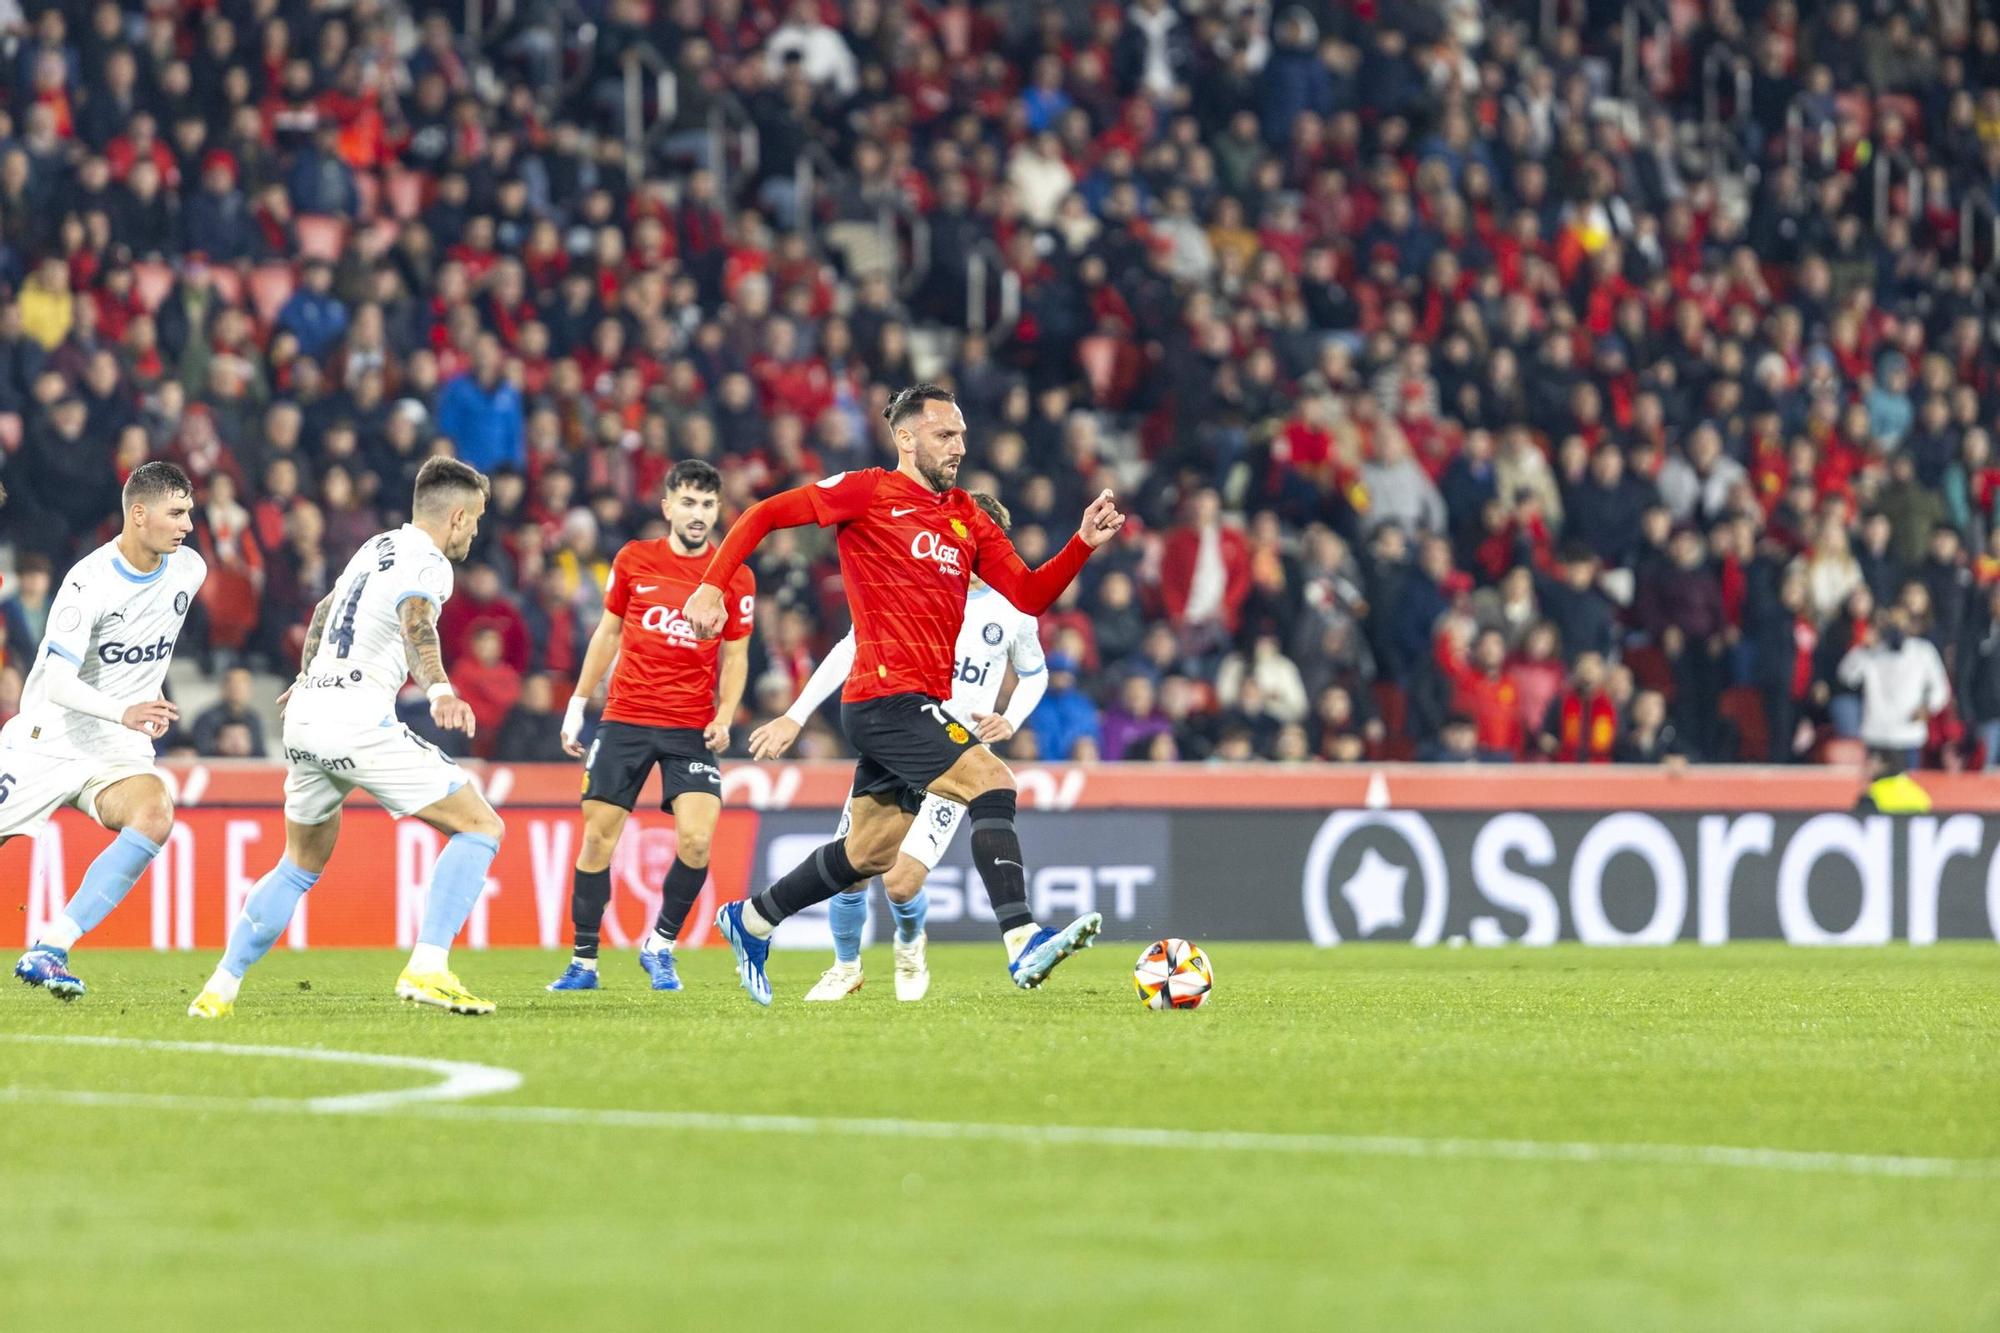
(907, 557)
(665, 676)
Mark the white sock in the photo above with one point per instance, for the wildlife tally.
(429, 958)
(847, 969)
(63, 933)
(587, 964)
(1017, 938)
(225, 983)
(754, 922)
(656, 942)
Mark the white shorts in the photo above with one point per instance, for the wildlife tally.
(326, 757)
(930, 832)
(34, 785)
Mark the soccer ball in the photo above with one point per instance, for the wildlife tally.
(1173, 974)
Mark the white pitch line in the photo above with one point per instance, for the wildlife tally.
(436, 1102)
(458, 1079)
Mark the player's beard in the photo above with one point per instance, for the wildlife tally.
(942, 475)
(688, 543)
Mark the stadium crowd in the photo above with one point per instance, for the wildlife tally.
(1487, 380)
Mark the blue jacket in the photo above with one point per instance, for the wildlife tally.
(1060, 720)
(316, 320)
(483, 425)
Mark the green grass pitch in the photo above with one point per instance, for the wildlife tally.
(231, 1209)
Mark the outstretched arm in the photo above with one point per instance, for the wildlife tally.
(786, 509)
(1035, 590)
(420, 644)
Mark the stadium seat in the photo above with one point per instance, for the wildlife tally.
(227, 284)
(271, 285)
(152, 280)
(321, 236)
(405, 192)
(368, 192)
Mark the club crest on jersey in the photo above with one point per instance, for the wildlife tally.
(992, 633)
(930, 546)
(959, 735)
(180, 603)
(959, 528)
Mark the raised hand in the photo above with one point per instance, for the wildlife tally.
(1100, 521)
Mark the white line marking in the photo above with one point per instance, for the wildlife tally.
(440, 1101)
(458, 1079)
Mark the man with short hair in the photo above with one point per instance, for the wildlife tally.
(994, 637)
(910, 544)
(376, 628)
(662, 711)
(92, 708)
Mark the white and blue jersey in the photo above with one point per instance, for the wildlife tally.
(117, 627)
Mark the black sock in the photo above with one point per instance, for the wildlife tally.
(589, 895)
(826, 872)
(677, 893)
(996, 851)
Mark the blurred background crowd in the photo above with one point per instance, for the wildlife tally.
(1553, 380)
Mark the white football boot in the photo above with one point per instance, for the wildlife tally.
(913, 974)
(837, 982)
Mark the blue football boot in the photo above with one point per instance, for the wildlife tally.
(576, 977)
(749, 950)
(659, 965)
(1048, 947)
(49, 968)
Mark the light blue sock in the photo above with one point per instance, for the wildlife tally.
(110, 878)
(456, 880)
(910, 916)
(848, 913)
(266, 913)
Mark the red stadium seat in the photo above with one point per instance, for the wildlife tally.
(405, 193)
(152, 280)
(271, 285)
(321, 237)
(227, 284)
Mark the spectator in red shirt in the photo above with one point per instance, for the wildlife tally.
(1481, 690)
(488, 684)
(1205, 574)
(481, 603)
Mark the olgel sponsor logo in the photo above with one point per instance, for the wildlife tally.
(339, 764)
(114, 653)
(669, 621)
(929, 546)
(1632, 878)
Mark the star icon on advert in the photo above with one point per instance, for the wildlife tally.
(1375, 892)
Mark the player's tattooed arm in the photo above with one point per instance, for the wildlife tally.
(420, 636)
(316, 630)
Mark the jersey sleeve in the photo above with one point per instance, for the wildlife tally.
(1031, 591)
(844, 496)
(426, 574)
(742, 605)
(1026, 651)
(618, 587)
(72, 621)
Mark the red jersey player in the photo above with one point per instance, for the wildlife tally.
(910, 542)
(663, 711)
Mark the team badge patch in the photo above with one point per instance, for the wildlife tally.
(992, 633)
(958, 528)
(958, 734)
(180, 603)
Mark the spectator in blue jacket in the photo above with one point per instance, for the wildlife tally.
(1065, 718)
(314, 315)
(480, 412)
